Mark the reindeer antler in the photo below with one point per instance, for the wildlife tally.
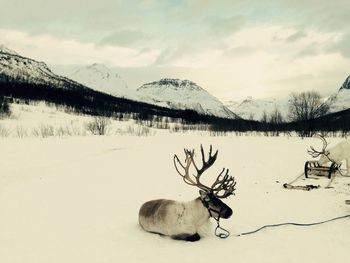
(224, 184)
(315, 153)
(221, 188)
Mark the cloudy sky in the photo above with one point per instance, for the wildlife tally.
(232, 48)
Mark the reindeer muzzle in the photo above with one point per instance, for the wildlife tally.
(226, 213)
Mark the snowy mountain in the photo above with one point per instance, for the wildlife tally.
(101, 78)
(341, 100)
(183, 94)
(28, 79)
(346, 84)
(4, 49)
(253, 109)
(26, 70)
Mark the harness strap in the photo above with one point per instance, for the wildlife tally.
(219, 231)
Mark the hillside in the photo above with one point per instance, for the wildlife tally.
(183, 94)
(101, 78)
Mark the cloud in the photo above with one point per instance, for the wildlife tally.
(222, 26)
(239, 51)
(79, 19)
(296, 36)
(187, 56)
(70, 51)
(311, 50)
(265, 46)
(342, 46)
(125, 38)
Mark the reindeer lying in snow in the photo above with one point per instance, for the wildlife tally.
(184, 220)
(337, 154)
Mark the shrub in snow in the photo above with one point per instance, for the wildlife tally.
(138, 130)
(21, 132)
(99, 125)
(44, 131)
(4, 107)
(69, 130)
(4, 132)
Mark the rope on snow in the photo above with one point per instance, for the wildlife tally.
(294, 224)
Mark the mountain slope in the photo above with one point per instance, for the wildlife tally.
(346, 84)
(101, 78)
(26, 70)
(183, 94)
(341, 100)
(253, 109)
(4, 49)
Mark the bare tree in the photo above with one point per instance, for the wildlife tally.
(305, 106)
(99, 125)
(275, 120)
(276, 116)
(264, 117)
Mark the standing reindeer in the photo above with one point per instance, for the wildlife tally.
(183, 220)
(337, 154)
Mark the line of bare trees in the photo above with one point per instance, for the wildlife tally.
(303, 109)
(306, 106)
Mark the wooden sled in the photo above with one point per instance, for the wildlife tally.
(314, 168)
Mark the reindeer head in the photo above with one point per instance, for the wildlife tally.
(223, 186)
(323, 153)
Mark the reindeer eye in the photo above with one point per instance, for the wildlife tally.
(206, 198)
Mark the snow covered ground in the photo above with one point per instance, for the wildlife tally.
(42, 120)
(76, 199)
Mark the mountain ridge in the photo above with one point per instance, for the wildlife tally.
(99, 77)
(340, 100)
(185, 94)
(346, 84)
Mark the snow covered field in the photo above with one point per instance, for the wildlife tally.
(76, 199)
(42, 120)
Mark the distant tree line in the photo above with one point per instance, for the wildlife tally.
(307, 116)
(79, 99)
(306, 110)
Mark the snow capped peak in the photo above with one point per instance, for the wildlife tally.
(340, 100)
(98, 70)
(183, 94)
(172, 83)
(4, 49)
(100, 77)
(346, 84)
(249, 99)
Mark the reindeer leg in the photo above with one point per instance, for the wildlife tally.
(193, 238)
(187, 237)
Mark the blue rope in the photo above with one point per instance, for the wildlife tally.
(294, 224)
